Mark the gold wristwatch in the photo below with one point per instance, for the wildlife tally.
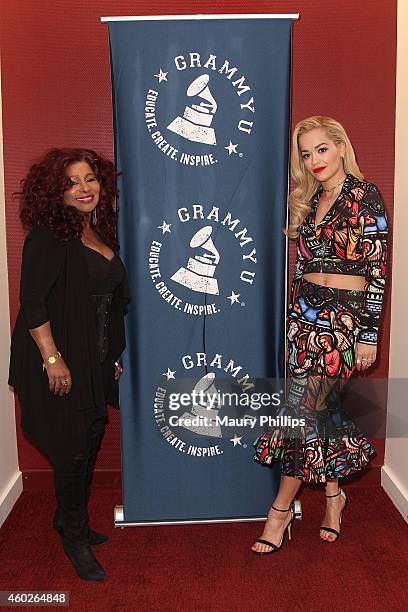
(50, 360)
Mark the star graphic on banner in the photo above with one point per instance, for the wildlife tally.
(235, 440)
(165, 227)
(234, 297)
(232, 148)
(162, 76)
(169, 374)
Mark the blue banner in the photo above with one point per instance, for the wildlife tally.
(201, 119)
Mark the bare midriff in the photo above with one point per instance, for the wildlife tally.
(339, 281)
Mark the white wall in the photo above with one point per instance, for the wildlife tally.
(11, 483)
(394, 474)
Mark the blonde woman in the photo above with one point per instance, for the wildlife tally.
(340, 224)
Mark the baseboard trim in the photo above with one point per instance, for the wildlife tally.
(395, 491)
(10, 495)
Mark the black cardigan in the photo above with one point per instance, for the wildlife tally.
(55, 287)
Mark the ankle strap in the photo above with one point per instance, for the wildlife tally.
(279, 510)
(335, 494)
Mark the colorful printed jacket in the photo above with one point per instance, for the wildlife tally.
(351, 239)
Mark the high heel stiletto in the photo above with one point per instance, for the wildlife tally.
(288, 528)
(330, 529)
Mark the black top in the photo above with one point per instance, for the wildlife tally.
(105, 274)
(56, 286)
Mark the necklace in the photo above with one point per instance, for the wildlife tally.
(333, 188)
(332, 198)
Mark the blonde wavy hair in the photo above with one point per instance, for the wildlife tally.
(306, 184)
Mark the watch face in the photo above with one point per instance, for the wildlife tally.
(52, 360)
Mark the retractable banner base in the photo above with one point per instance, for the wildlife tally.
(119, 519)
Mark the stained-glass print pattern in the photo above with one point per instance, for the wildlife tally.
(350, 239)
(323, 325)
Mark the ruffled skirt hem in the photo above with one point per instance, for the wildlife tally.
(314, 459)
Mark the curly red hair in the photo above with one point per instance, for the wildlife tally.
(41, 198)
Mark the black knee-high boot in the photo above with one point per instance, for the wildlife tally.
(95, 436)
(72, 495)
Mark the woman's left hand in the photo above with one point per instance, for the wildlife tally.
(118, 370)
(365, 356)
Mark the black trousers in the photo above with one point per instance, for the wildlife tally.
(72, 481)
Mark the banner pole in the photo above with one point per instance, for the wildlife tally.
(200, 16)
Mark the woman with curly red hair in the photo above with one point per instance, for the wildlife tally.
(69, 331)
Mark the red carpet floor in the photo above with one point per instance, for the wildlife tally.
(210, 567)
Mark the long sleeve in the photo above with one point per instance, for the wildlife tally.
(374, 233)
(300, 259)
(299, 268)
(42, 259)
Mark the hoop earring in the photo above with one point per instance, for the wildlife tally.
(94, 216)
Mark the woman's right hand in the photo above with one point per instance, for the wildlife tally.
(58, 373)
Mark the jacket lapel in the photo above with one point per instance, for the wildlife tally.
(337, 204)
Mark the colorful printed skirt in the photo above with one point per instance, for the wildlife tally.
(314, 439)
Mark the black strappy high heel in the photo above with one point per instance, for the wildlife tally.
(288, 528)
(330, 529)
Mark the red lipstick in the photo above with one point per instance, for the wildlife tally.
(316, 170)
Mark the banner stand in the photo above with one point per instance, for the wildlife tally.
(201, 121)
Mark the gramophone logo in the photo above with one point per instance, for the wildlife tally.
(213, 419)
(200, 110)
(195, 124)
(204, 416)
(203, 261)
(199, 273)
